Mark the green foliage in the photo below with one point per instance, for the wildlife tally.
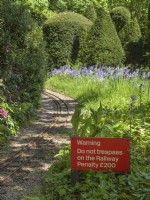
(23, 66)
(129, 32)
(134, 46)
(13, 116)
(63, 166)
(39, 10)
(103, 47)
(118, 115)
(98, 185)
(78, 6)
(58, 5)
(8, 126)
(90, 13)
(138, 9)
(120, 16)
(23, 113)
(22, 49)
(131, 39)
(148, 34)
(149, 24)
(62, 33)
(112, 122)
(120, 118)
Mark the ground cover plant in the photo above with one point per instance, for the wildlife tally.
(112, 102)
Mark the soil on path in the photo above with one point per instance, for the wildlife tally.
(29, 178)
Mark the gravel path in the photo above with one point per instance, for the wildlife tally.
(29, 177)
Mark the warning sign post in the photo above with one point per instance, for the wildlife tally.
(105, 154)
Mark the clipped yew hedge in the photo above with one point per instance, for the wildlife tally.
(90, 12)
(134, 45)
(62, 33)
(129, 32)
(103, 46)
(120, 16)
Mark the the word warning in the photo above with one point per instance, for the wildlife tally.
(100, 154)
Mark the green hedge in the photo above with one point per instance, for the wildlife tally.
(131, 39)
(62, 33)
(129, 32)
(103, 46)
(90, 12)
(120, 16)
(134, 46)
(23, 55)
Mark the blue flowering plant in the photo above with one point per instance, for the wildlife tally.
(100, 73)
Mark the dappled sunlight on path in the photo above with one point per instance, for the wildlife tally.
(37, 155)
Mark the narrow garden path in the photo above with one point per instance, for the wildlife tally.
(26, 159)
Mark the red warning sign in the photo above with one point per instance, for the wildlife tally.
(106, 154)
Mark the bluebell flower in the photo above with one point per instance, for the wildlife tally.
(133, 98)
(102, 73)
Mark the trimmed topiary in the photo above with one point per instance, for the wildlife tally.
(62, 33)
(130, 36)
(90, 13)
(120, 16)
(133, 44)
(129, 33)
(103, 46)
